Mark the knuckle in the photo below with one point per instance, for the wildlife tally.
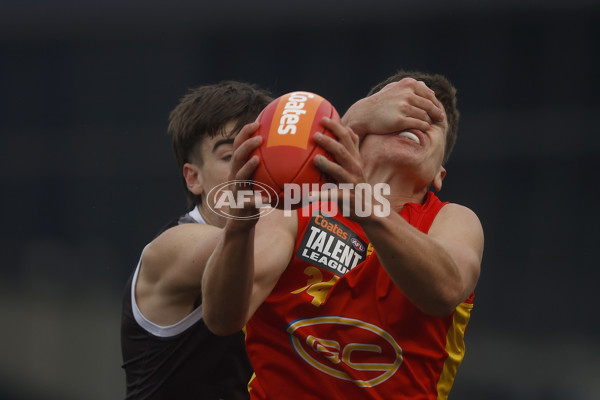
(346, 132)
(389, 86)
(410, 82)
(405, 108)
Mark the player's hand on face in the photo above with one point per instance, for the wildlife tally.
(346, 169)
(400, 105)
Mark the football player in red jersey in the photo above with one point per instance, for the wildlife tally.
(392, 326)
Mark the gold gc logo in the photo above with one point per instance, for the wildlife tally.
(361, 352)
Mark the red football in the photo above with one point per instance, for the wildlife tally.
(287, 126)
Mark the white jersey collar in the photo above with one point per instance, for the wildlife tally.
(195, 214)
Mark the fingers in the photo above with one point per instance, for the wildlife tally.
(244, 144)
(345, 136)
(246, 172)
(427, 101)
(423, 90)
(336, 171)
(239, 160)
(417, 94)
(245, 133)
(344, 150)
(416, 123)
(408, 110)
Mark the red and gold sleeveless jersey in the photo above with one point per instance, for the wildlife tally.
(335, 325)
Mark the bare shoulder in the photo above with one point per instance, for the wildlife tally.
(458, 223)
(453, 212)
(174, 245)
(170, 276)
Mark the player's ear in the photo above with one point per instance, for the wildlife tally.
(439, 177)
(193, 178)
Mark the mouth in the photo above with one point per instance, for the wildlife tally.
(410, 136)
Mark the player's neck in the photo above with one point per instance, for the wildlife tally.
(210, 217)
(404, 187)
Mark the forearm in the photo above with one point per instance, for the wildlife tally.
(417, 264)
(227, 282)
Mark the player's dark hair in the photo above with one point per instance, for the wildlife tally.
(204, 112)
(445, 92)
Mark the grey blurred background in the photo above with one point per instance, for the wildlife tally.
(87, 175)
